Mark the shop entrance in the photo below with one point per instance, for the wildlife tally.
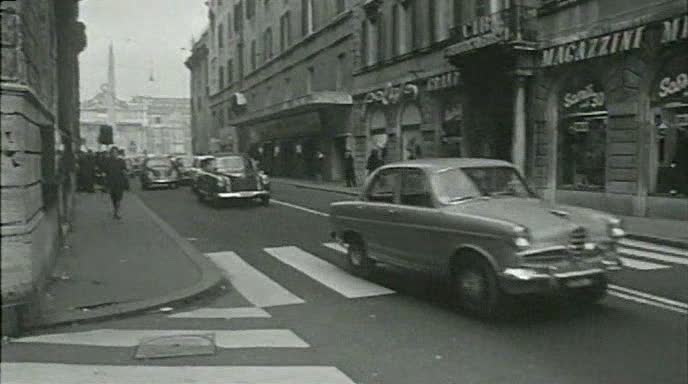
(411, 137)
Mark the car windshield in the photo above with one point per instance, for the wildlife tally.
(158, 163)
(233, 164)
(461, 184)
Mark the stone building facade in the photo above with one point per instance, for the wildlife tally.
(201, 125)
(279, 82)
(39, 88)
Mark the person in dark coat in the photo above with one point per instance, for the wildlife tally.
(374, 161)
(349, 170)
(116, 179)
(87, 168)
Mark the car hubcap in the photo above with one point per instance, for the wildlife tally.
(355, 256)
(472, 286)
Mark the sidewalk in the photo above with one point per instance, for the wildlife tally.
(662, 231)
(113, 267)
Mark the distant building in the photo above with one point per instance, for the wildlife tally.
(143, 124)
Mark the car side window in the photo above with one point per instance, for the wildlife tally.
(384, 186)
(415, 189)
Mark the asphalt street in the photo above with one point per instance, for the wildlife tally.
(293, 310)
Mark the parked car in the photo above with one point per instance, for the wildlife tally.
(231, 177)
(197, 166)
(159, 172)
(477, 223)
(184, 164)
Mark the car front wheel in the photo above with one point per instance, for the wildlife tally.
(477, 289)
(357, 258)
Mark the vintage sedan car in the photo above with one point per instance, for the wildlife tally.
(184, 164)
(198, 166)
(159, 172)
(476, 222)
(232, 177)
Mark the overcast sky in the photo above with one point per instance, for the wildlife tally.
(148, 36)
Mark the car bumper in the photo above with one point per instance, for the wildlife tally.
(162, 182)
(243, 194)
(545, 279)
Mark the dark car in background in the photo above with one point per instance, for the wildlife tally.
(477, 223)
(232, 177)
(158, 171)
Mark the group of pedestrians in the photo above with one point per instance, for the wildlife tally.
(374, 162)
(107, 169)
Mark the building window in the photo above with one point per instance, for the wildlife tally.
(250, 9)
(220, 37)
(339, 81)
(221, 77)
(307, 17)
(482, 8)
(457, 12)
(285, 31)
(432, 21)
(230, 71)
(229, 25)
(364, 42)
(397, 31)
(267, 44)
(341, 6)
(287, 89)
(238, 16)
(381, 35)
(413, 31)
(254, 55)
(309, 80)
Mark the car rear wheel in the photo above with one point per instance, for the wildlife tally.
(476, 287)
(357, 258)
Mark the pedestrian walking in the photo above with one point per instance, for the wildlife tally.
(349, 169)
(116, 179)
(87, 168)
(374, 161)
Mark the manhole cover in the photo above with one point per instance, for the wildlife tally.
(175, 346)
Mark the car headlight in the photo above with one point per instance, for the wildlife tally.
(614, 229)
(522, 237)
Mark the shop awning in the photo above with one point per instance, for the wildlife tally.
(308, 103)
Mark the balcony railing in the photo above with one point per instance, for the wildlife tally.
(514, 24)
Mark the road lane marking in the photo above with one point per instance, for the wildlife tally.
(654, 247)
(647, 302)
(255, 286)
(313, 211)
(336, 247)
(641, 265)
(222, 313)
(327, 274)
(255, 338)
(648, 296)
(15, 373)
(653, 256)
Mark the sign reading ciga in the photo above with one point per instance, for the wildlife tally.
(670, 86)
(586, 98)
(392, 94)
(622, 41)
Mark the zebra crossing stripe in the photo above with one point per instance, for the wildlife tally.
(222, 313)
(326, 273)
(652, 255)
(257, 338)
(15, 373)
(256, 287)
(641, 265)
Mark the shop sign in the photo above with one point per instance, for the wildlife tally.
(392, 94)
(584, 99)
(670, 86)
(479, 33)
(622, 41)
(443, 81)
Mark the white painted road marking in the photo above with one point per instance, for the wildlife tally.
(256, 287)
(653, 256)
(649, 296)
(222, 313)
(653, 247)
(313, 211)
(258, 338)
(647, 302)
(641, 265)
(327, 274)
(15, 373)
(336, 246)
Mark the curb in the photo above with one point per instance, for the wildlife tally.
(676, 243)
(211, 281)
(315, 187)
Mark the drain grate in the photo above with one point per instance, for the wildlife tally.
(176, 346)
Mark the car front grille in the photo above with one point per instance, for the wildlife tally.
(240, 184)
(577, 239)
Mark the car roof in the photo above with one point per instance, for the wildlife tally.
(438, 164)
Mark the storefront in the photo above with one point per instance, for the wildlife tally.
(609, 120)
